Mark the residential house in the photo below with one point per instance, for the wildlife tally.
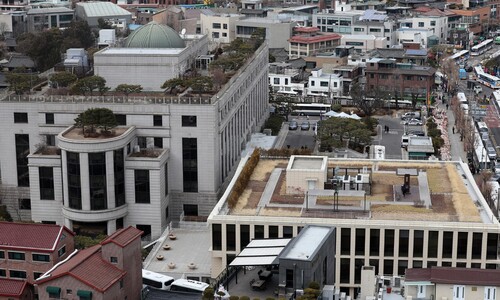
(324, 84)
(44, 18)
(14, 289)
(350, 74)
(423, 36)
(452, 283)
(220, 28)
(27, 250)
(338, 22)
(399, 79)
(286, 80)
(308, 42)
(437, 22)
(109, 270)
(476, 19)
(364, 43)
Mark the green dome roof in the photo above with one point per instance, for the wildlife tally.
(154, 35)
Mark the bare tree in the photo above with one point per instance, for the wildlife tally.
(415, 93)
(469, 136)
(450, 69)
(367, 101)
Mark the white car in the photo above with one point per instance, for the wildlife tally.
(478, 89)
(414, 122)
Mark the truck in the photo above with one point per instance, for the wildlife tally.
(462, 74)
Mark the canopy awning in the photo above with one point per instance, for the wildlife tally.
(84, 294)
(53, 290)
(261, 253)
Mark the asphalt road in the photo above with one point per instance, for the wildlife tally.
(392, 139)
(301, 138)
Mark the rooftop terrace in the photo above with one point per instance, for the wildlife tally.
(439, 191)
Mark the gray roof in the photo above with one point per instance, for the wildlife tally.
(416, 52)
(19, 61)
(49, 10)
(102, 9)
(373, 15)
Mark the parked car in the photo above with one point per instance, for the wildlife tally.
(497, 168)
(410, 115)
(478, 89)
(293, 125)
(414, 122)
(305, 125)
(416, 132)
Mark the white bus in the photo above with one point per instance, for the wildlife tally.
(311, 109)
(462, 99)
(481, 48)
(156, 280)
(188, 286)
(460, 56)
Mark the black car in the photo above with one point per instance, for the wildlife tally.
(416, 132)
(293, 125)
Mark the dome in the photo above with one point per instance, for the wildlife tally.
(154, 35)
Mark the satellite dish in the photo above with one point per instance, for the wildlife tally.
(183, 31)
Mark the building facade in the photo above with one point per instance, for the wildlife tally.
(220, 28)
(93, 184)
(304, 45)
(338, 22)
(45, 18)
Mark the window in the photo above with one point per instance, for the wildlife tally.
(490, 293)
(216, 26)
(359, 29)
(273, 232)
(46, 181)
(360, 242)
(447, 244)
(17, 274)
(224, 34)
(40, 257)
(20, 117)
(61, 251)
(287, 231)
(276, 81)
(217, 236)
(3, 273)
(74, 185)
(97, 181)
(16, 255)
(375, 30)
(418, 243)
(50, 140)
(113, 259)
(433, 244)
(421, 24)
(345, 241)
(374, 242)
(259, 231)
(121, 285)
(142, 186)
(323, 83)
(224, 26)
(190, 164)
(403, 242)
(244, 235)
(22, 152)
(36, 275)
(69, 292)
(188, 121)
(24, 203)
(433, 23)
(389, 243)
(2, 255)
(158, 142)
(157, 120)
(215, 35)
(119, 170)
(121, 119)
(146, 230)
(49, 118)
(462, 241)
(313, 83)
(142, 142)
(231, 237)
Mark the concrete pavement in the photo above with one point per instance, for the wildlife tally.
(456, 146)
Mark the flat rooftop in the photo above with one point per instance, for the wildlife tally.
(310, 163)
(76, 133)
(441, 192)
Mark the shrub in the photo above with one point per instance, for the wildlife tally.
(337, 107)
(274, 123)
(314, 285)
(234, 298)
(243, 179)
(208, 293)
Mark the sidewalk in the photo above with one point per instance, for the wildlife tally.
(456, 146)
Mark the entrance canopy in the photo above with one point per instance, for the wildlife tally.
(261, 253)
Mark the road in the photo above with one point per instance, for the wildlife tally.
(301, 138)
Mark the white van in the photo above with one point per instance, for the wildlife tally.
(405, 139)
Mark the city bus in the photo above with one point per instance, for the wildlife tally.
(156, 280)
(497, 40)
(188, 286)
(481, 48)
(460, 56)
(488, 80)
(311, 109)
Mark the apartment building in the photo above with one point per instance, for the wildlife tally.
(474, 19)
(109, 270)
(382, 228)
(166, 162)
(285, 79)
(220, 28)
(364, 43)
(401, 79)
(337, 22)
(28, 250)
(324, 84)
(437, 23)
(378, 24)
(307, 42)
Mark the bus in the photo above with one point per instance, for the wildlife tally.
(497, 40)
(462, 99)
(481, 48)
(460, 56)
(311, 109)
(188, 286)
(156, 280)
(401, 103)
(488, 80)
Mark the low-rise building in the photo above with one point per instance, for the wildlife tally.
(13, 289)
(307, 42)
(376, 23)
(44, 18)
(108, 11)
(364, 43)
(109, 270)
(423, 36)
(452, 283)
(278, 30)
(219, 27)
(338, 22)
(286, 80)
(324, 84)
(28, 250)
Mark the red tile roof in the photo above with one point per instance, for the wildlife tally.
(305, 29)
(30, 235)
(12, 287)
(314, 39)
(88, 267)
(123, 237)
(482, 277)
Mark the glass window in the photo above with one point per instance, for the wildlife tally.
(433, 244)
(217, 236)
(389, 243)
(121, 119)
(345, 241)
(17, 274)
(433, 23)
(273, 232)
(61, 251)
(50, 139)
(403, 242)
(360, 241)
(97, 181)
(323, 83)
(345, 270)
(2, 254)
(142, 194)
(421, 24)
(358, 264)
(244, 235)
(46, 181)
(276, 81)
(22, 152)
(41, 257)
(447, 244)
(190, 164)
(492, 246)
(158, 142)
(119, 173)
(113, 259)
(188, 121)
(74, 185)
(287, 231)
(24, 203)
(374, 242)
(36, 275)
(216, 26)
(190, 209)
(462, 245)
(259, 231)
(49, 118)
(388, 267)
(402, 266)
(16, 255)
(3, 273)
(20, 117)
(157, 120)
(418, 243)
(231, 237)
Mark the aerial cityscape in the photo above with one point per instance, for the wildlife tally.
(251, 149)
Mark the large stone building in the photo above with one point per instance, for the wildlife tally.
(166, 161)
(444, 221)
